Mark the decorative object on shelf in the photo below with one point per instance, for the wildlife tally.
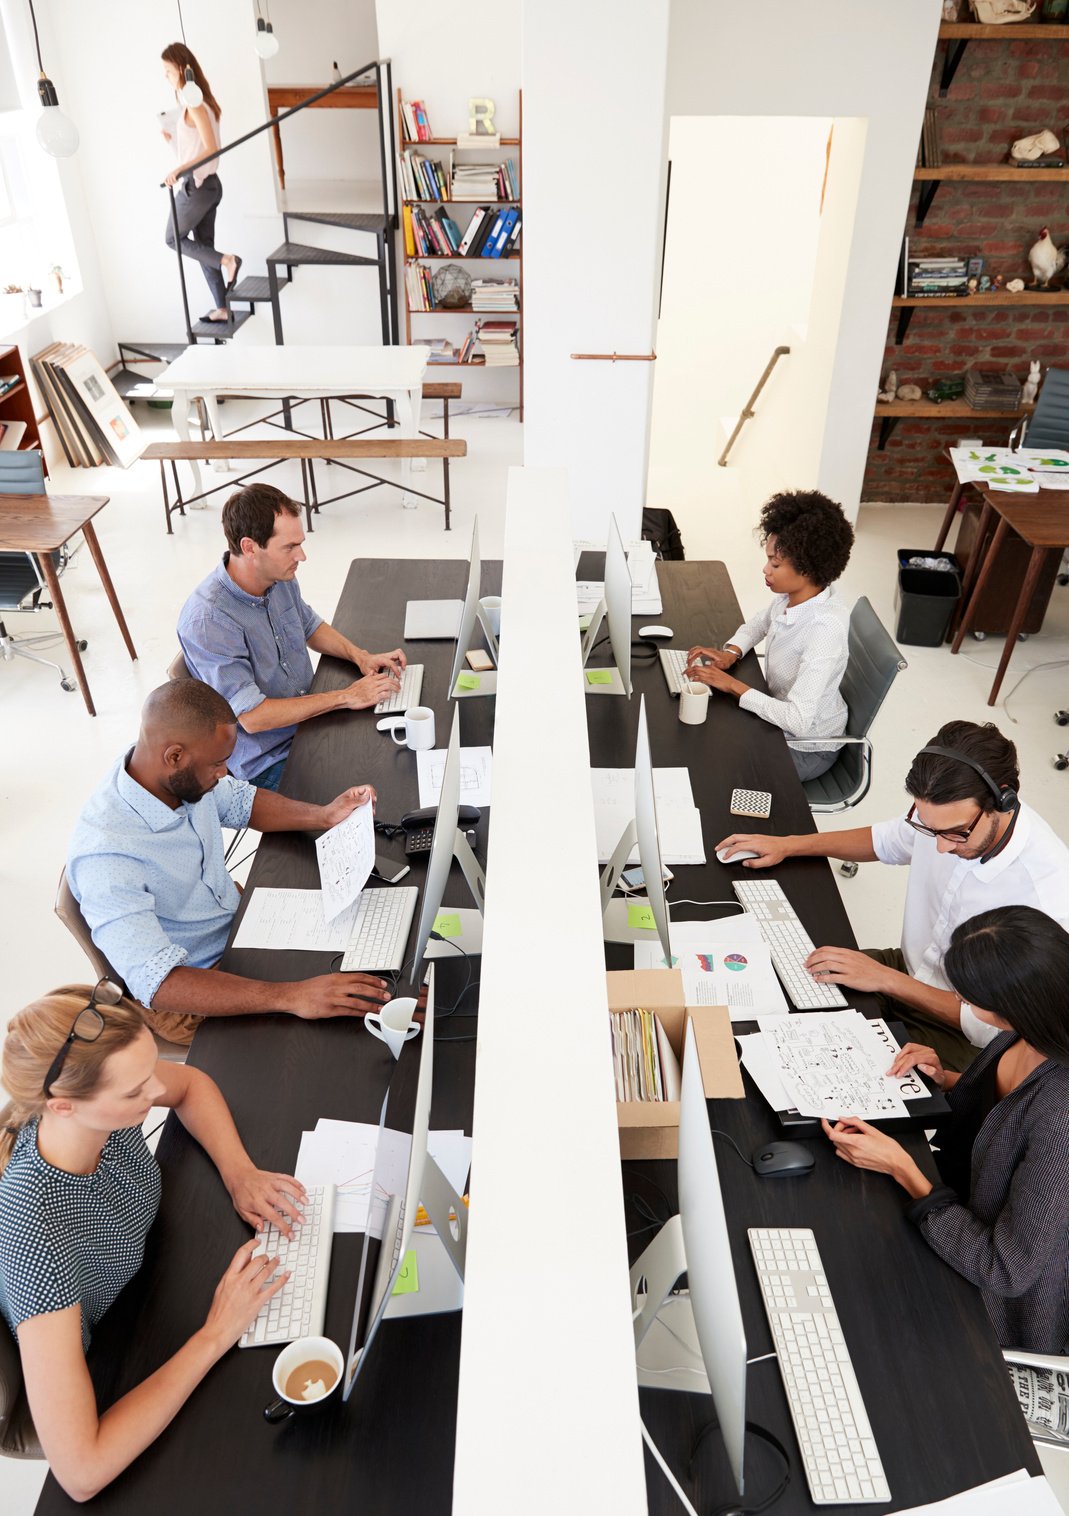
(992, 390)
(945, 389)
(985, 283)
(998, 281)
(1015, 286)
(950, 10)
(1040, 150)
(1054, 11)
(1045, 259)
(56, 133)
(55, 274)
(908, 392)
(1002, 12)
(1031, 384)
(890, 388)
(452, 287)
(33, 297)
(265, 41)
(972, 286)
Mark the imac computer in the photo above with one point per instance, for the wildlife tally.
(471, 683)
(615, 607)
(618, 914)
(439, 1253)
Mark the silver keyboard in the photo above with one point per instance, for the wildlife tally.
(842, 1462)
(300, 1306)
(673, 667)
(788, 943)
(380, 931)
(407, 696)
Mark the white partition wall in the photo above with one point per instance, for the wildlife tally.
(548, 1417)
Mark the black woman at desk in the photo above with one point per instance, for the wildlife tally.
(1000, 1214)
(79, 1190)
(805, 630)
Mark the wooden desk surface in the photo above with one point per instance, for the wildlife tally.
(1042, 520)
(349, 97)
(42, 523)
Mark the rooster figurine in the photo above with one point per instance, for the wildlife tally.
(1046, 259)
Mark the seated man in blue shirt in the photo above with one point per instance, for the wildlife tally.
(146, 866)
(246, 631)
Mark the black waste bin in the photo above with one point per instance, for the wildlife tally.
(926, 597)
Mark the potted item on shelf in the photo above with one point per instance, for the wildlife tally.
(1002, 12)
(33, 297)
(55, 274)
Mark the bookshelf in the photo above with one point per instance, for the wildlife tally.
(461, 210)
(16, 407)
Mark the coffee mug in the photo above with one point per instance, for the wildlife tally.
(693, 702)
(417, 729)
(305, 1375)
(394, 1025)
(490, 605)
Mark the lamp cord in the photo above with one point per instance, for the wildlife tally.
(181, 23)
(36, 39)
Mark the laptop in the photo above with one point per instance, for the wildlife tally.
(432, 620)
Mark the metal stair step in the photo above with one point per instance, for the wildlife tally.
(166, 352)
(255, 288)
(299, 253)
(221, 331)
(354, 221)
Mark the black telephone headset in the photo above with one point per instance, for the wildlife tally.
(1006, 797)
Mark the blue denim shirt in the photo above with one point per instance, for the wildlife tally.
(250, 648)
(152, 881)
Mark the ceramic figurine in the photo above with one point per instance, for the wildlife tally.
(1015, 286)
(1038, 145)
(1031, 384)
(909, 392)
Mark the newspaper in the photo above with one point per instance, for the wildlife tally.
(1044, 1398)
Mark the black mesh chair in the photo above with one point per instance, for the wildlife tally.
(22, 587)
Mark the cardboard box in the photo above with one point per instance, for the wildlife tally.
(650, 1128)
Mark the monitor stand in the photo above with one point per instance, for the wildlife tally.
(667, 1352)
(606, 681)
(468, 681)
(615, 913)
(439, 1255)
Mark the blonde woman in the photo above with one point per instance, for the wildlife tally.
(79, 1190)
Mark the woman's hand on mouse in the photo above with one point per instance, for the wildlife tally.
(865, 1147)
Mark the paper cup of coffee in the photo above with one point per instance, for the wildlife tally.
(693, 702)
(394, 1025)
(490, 605)
(417, 730)
(306, 1373)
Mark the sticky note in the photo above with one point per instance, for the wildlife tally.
(584, 623)
(408, 1278)
(447, 924)
(468, 681)
(599, 676)
(641, 916)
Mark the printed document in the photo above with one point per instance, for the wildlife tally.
(679, 822)
(833, 1064)
(724, 962)
(346, 857)
(476, 774)
(344, 1153)
(294, 919)
(1031, 1497)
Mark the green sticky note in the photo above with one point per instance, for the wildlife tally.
(467, 681)
(641, 916)
(599, 676)
(584, 623)
(447, 924)
(408, 1278)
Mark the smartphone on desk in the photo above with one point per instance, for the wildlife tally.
(633, 880)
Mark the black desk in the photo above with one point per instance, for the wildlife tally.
(935, 1386)
(391, 1448)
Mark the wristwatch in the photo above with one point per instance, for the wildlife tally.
(729, 647)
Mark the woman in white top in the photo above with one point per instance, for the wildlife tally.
(199, 193)
(807, 546)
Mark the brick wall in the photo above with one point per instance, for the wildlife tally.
(1002, 90)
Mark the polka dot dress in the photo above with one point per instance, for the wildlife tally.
(68, 1239)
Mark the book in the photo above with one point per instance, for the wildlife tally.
(8, 382)
(477, 217)
(507, 221)
(410, 240)
(485, 232)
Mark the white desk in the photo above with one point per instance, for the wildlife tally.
(276, 373)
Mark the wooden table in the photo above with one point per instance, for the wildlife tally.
(1043, 522)
(282, 97)
(40, 524)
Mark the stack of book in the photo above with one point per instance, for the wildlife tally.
(498, 342)
(466, 352)
(417, 127)
(495, 295)
(935, 277)
(476, 181)
(420, 288)
(992, 390)
(928, 153)
(438, 350)
(423, 178)
(431, 236)
(642, 1056)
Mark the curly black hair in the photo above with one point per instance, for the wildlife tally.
(811, 531)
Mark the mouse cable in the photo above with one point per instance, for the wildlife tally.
(718, 1133)
(736, 1507)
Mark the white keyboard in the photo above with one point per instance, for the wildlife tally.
(300, 1306)
(407, 696)
(842, 1462)
(788, 943)
(380, 931)
(673, 667)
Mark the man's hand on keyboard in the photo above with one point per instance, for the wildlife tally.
(393, 663)
(264, 1199)
(347, 802)
(243, 1289)
(770, 850)
(368, 691)
(834, 965)
(338, 995)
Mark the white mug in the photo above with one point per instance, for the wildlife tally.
(490, 606)
(394, 1025)
(693, 702)
(417, 729)
(304, 1350)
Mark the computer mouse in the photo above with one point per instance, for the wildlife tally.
(389, 723)
(773, 1160)
(656, 631)
(729, 855)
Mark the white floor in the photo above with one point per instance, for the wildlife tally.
(54, 753)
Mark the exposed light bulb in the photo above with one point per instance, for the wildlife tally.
(191, 94)
(266, 43)
(56, 133)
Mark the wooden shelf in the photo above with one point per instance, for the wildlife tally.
(921, 409)
(16, 389)
(460, 202)
(1003, 173)
(975, 31)
(463, 258)
(461, 310)
(981, 301)
(491, 147)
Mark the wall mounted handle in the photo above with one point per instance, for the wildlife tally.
(615, 357)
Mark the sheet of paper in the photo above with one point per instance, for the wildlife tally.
(831, 1066)
(996, 467)
(346, 857)
(721, 966)
(679, 822)
(1031, 1497)
(343, 1153)
(758, 1058)
(617, 786)
(293, 919)
(476, 774)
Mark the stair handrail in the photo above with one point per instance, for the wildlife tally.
(748, 409)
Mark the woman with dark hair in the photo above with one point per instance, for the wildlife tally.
(1000, 1215)
(199, 193)
(807, 547)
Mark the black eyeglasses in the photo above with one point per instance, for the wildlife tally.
(87, 1027)
(955, 834)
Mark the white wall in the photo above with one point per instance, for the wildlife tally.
(844, 58)
(594, 167)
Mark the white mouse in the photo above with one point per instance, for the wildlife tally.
(728, 855)
(389, 723)
(655, 631)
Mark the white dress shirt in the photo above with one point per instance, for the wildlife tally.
(944, 890)
(805, 659)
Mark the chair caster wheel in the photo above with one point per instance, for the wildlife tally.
(1063, 580)
(1022, 636)
(1060, 762)
(979, 636)
(68, 685)
(848, 870)
(81, 645)
(1062, 718)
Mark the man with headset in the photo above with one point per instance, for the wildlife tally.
(971, 845)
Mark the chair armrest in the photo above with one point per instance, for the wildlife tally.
(821, 744)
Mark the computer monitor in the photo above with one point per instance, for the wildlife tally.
(470, 615)
(447, 843)
(704, 1326)
(643, 830)
(615, 606)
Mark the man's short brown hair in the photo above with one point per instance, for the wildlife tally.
(252, 512)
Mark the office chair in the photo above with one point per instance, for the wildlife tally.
(178, 668)
(21, 582)
(872, 666)
(18, 1436)
(1048, 425)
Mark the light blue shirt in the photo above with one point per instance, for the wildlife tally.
(250, 648)
(152, 881)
